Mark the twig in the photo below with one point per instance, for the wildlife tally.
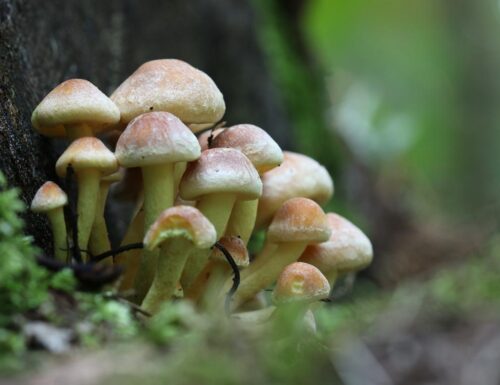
(236, 278)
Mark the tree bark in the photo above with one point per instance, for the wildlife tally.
(105, 41)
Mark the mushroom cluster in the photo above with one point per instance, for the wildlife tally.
(196, 184)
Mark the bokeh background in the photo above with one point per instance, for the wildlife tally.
(398, 99)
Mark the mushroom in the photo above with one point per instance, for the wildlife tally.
(99, 238)
(298, 286)
(264, 153)
(173, 86)
(176, 231)
(347, 251)
(216, 180)
(90, 160)
(74, 109)
(210, 282)
(155, 141)
(298, 222)
(50, 199)
(298, 176)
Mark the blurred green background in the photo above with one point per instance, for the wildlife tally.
(399, 100)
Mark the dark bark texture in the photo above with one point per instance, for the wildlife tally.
(42, 44)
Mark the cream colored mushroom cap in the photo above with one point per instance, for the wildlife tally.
(174, 86)
(300, 282)
(86, 153)
(48, 197)
(348, 248)
(299, 220)
(155, 138)
(298, 176)
(74, 101)
(219, 171)
(181, 221)
(254, 142)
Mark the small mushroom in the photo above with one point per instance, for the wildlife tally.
(298, 286)
(50, 199)
(75, 109)
(177, 231)
(90, 160)
(209, 286)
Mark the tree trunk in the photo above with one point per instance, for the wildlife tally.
(104, 41)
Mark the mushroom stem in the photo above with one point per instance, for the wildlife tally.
(158, 196)
(179, 169)
(56, 218)
(88, 189)
(242, 219)
(77, 131)
(158, 190)
(173, 256)
(264, 270)
(218, 275)
(130, 260)
(99, 238)
(217, 208)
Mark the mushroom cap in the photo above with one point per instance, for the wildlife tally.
(348, 248)
(170, 85)
(74, 101)
(254, 142)
(298, 176)
(155, 138)
(203, 137)
(48, 197)
(236, 247)
(299, 220)
(300, 282)
(85, 153)
(181, 221)
(220, 171)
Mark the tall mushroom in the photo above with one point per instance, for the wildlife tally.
(298, 223)
(155, 141)
(264, 153)
(90, 160)
(177, 231)
(50, 199)
(74, 109)
(220, 177)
